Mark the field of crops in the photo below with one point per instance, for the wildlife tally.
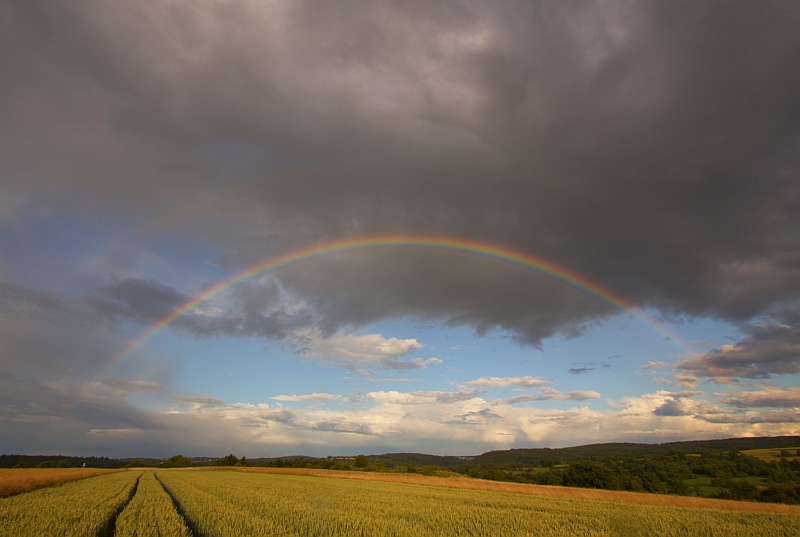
(79, 508)
(18, 480)
(227, 503)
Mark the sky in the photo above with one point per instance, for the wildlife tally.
(339, 227)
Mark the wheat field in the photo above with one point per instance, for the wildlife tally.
(18, 480)
(202, 503)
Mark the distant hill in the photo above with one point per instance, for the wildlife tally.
(512, 458)
(536, 456)
(32, 461)
(390, 460)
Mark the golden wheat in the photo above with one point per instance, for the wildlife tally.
(77, 508)
(150, 513)
(18, 480)
(460, 482)
(234, 503)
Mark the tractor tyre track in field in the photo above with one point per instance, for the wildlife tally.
(111, 525)
(193, 529)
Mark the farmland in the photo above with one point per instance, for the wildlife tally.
(181, 503)
(24, 480)
(79, 508)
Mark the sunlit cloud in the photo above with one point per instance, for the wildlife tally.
(312, 397)
(501, 382)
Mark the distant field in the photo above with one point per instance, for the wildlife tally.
(231, 503)
(18, 480)
(541, 490)
(769, 455)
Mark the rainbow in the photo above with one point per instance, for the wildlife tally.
(439, 243)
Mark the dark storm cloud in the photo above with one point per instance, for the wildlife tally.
(51, 333)
(144, 301)
(651, 147)
(31, 407)
(254, 310)
(15, 296)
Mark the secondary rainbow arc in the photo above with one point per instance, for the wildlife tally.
(441, 243)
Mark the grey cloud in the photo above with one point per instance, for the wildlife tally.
(767, 349)
(313, 397)
(770, 416)
(478, 416)
(673, 407)
(254, 309)
(61, 414)
(685, 394)
(640, 145)
(15, 296)
(550, 394)
(451, 397)
(199, 401)
(770, 397)
(144, 301)
(524, 398)
(408, 365)
(280, 416)
(340, 427)
(582, 395)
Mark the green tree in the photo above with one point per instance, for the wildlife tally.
(177, 461)
(652, 483)
(63, 463)
(588, 474)
(135, 463)
(229, 460)
(46, 464)
(21, 464)
(361, 462)
(742, 490)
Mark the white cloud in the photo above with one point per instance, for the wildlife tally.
(495, 382)
(355, 352)
(362, 349)
(457, 422)
(312, 397)
(463, 422)
(582, 395)
(655, 365)
(424, 397)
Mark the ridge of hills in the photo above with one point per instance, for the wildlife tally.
(492, 459)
